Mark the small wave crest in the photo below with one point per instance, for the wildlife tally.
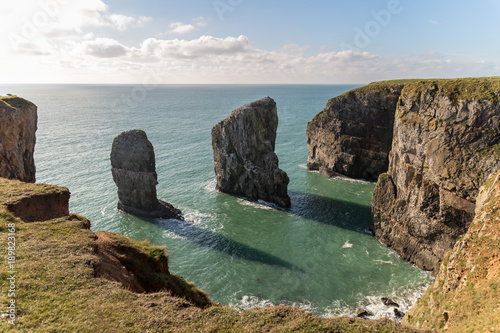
(258, 204)
(375, 306)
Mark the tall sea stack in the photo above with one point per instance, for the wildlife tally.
(134, 172)
(245, 162)
(18, 124)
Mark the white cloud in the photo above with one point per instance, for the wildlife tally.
(181, 28)
(104, 48)
(121, 22)
(204, 46)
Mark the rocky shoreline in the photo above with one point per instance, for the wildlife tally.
(436, 203)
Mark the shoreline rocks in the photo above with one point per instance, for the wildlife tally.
(18, 124)
(244, 158)
(134, 172)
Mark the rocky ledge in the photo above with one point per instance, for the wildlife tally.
(18, 124)
(134, 172)
(245, 162)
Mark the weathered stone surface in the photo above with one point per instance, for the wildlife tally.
(134, 172)
(352, 136)
(18, 124)
(464, 297)
(245, 162)
(443, 149)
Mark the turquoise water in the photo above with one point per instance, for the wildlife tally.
(318, 255)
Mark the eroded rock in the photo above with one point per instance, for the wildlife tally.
(134, 172)
(245, 162)
(18, 124)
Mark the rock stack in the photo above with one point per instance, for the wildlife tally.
(245, 162)
(134, 172)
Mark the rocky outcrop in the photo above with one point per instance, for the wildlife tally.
(446, 142)
(134, 172)
(34, 202)
(464, 297)
(352, 136)
(18, 124)
(245, 162)
(141, 269)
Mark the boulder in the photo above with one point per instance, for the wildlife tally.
(245, 161)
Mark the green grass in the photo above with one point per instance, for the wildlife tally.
(57, 290)
(13, 102)
(472, 303)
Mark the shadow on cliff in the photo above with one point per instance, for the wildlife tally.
(339, 213)
(220, 243)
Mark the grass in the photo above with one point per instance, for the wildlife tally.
(57, 289)
(467, 288)
(13, 102)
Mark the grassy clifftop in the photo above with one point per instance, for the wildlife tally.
(60, 285)
(465, 296)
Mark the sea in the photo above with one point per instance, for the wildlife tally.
(318, 255)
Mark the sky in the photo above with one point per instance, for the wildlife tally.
(246, 41)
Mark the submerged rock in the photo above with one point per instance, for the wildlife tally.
(18, 124)
(245, 162)
(134, 172)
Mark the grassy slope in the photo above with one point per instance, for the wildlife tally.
(465, 296)
(57, 290)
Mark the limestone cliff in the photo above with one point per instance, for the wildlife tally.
(465, 294)
(245, 162)
(134, 172)
(352, 136)
(18, 124)
(445, 144)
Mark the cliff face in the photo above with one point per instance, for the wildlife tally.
(465, 294)
(134, 172)
(446, 142)
(352, 136)
(18, 124)
(245, 162)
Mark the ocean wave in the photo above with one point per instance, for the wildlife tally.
(374, 305)
(209, 186)
(260, 204)
(347, 245)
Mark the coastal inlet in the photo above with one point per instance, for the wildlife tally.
(318, 254)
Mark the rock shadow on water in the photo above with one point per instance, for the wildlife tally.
(343, 214)
(215, 241)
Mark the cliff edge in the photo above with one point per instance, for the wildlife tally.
(446, 142)
(18, 124)
(352, 136)
(465, 294)
(70, 279)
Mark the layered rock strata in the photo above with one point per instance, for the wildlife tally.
(444, 147)
(18, 124)
(352, 136)
(134, 172)
(464, 297)
(244, 157)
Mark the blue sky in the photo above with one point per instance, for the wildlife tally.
(246, 41)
